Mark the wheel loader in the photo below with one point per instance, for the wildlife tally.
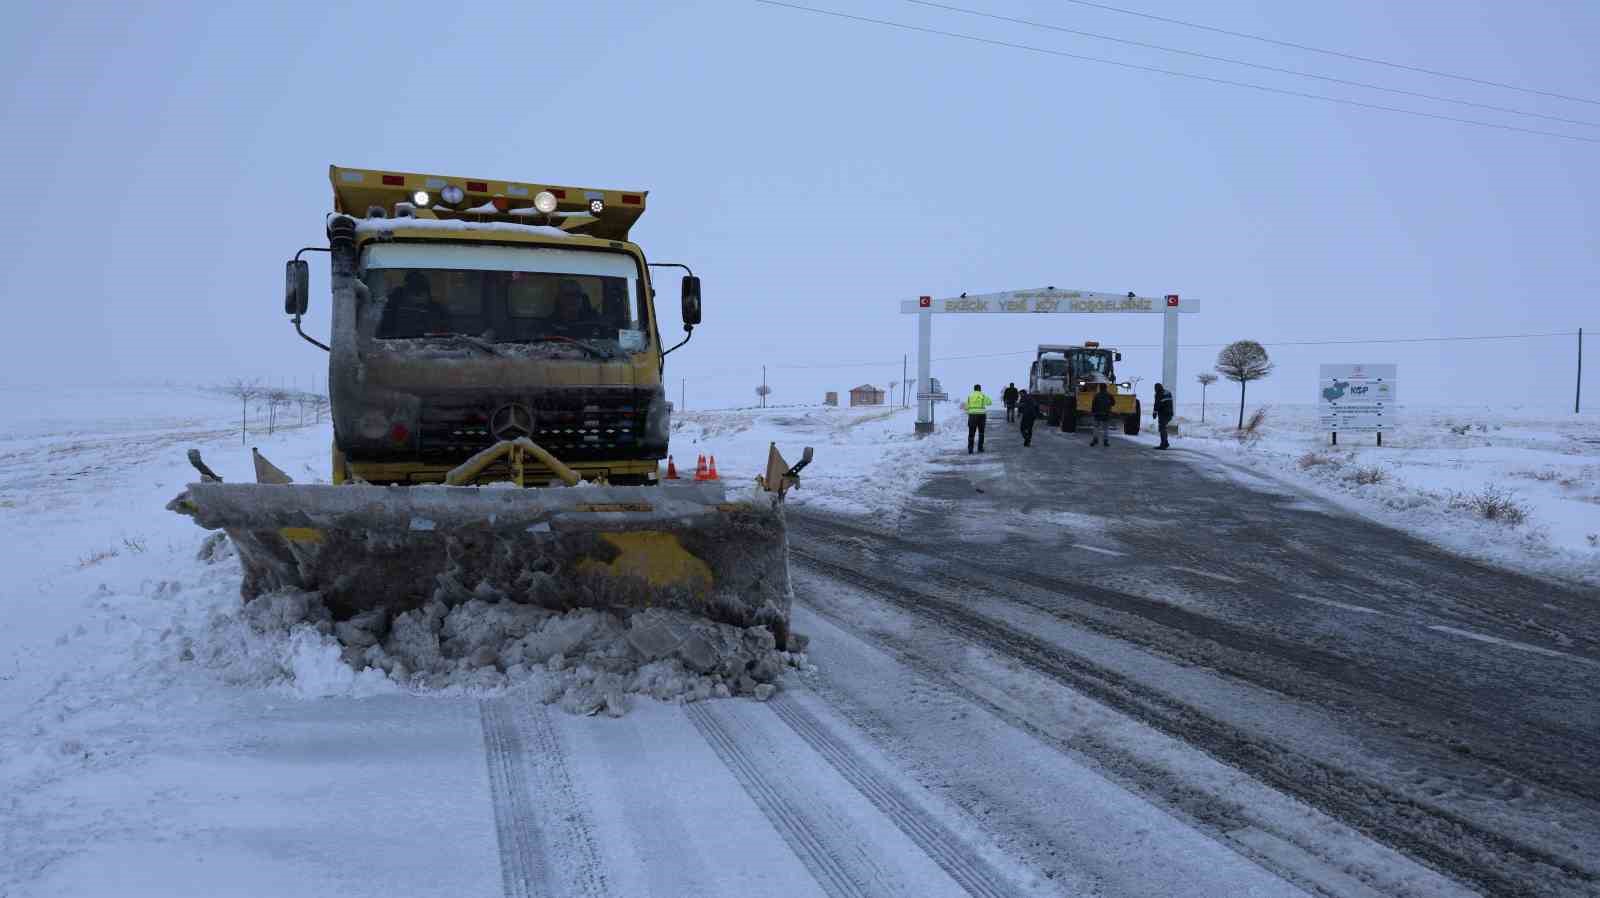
(1066, 377)
(495, 372)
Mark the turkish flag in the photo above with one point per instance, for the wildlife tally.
(1172, 300)
(925, 302)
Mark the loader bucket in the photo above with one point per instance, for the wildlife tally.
(697, 547)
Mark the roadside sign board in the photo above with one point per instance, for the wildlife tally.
(1357, 398)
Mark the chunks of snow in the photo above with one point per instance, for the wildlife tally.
(586, 661)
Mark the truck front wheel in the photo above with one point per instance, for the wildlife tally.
(1069, 420)
(1130, 424)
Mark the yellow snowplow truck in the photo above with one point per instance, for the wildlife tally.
(499, 334)
(1080, 370)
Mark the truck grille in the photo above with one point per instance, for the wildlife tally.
(601, 428)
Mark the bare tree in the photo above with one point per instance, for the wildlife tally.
(763, 391)
(1206, 379)
(1241, 362)
(892, 385)
(245, 391)
(275, 399)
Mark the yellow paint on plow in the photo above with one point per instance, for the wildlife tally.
(301, 534)
(658, 558)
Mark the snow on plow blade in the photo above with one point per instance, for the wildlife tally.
(696, 546)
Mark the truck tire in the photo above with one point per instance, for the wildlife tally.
(1130, 424)
(1052, 416)
(1069, 420)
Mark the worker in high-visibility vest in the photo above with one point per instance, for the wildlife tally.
(977, 406)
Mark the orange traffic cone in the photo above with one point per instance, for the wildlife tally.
(672, 469)
(700, 468)
(712, 474)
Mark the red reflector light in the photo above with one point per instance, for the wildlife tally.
(501, 203)
(399, 433)
(557, 192)
(632, 199)
(480, 186)
(395, 180)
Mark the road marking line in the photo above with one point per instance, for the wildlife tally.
(1331, 603)
(1199, 573)
(1512, 644)
(1098, 549)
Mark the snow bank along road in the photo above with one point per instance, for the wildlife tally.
(1032, 689)
(1446, 709)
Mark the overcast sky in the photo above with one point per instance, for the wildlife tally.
(165, 159)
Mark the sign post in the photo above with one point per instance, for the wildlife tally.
(1045, 300)
(1357, 399)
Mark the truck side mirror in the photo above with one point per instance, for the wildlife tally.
(691, 300)
(1118, 357)
(296, 287)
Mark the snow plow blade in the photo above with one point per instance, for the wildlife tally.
(697, 547)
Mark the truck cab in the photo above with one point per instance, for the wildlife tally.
(467, 312)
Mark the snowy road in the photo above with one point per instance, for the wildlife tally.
(1019, 688)
(1444, 707)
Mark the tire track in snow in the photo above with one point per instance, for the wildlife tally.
(531, 841)
(941, 845)
(820, 849)
(1447, 841)
(522, 863)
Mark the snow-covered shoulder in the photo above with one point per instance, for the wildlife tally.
(1519, 488)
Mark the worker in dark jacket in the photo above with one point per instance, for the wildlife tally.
(1009, 397)
(1101, 409)
(1162, 413)
(1028, 412)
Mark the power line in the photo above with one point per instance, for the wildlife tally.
(1030, 352)
(1254, 65)
(1360, 340)
(1338, 53)
(1156, 69)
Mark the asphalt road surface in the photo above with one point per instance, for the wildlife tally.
(1445, 709)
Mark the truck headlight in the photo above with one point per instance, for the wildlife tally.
(658, 420)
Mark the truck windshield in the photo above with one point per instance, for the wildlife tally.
(1052, 367)
(506, 294)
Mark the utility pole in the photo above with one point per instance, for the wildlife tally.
(902, 381)
(1577, 399)
(683, 390)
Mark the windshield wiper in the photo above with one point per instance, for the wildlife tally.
(592, 350)
(472, 341)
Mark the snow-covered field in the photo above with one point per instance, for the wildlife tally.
(867, 459)
(1519, 488)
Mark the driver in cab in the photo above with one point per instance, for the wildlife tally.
(574, 313)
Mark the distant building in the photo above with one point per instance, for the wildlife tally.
(866, 394)
(830, 398)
